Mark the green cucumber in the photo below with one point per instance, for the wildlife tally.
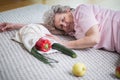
(64, 50)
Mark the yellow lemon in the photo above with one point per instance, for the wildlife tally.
(79, 69)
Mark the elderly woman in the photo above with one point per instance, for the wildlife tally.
(91, 25)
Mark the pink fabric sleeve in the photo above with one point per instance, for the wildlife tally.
(86, 17)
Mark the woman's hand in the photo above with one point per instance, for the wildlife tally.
(5, 26)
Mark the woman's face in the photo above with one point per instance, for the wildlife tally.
(64, 21)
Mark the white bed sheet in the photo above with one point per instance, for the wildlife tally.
(17, 64)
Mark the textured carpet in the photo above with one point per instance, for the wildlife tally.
(17, 64)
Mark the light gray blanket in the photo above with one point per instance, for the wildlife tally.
(17, 64)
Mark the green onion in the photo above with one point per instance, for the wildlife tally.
(41, 57)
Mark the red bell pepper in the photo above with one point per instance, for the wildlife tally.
(43, 45)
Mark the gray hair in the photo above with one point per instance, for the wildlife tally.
(50, 14)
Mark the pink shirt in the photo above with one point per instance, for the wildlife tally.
(85, 16)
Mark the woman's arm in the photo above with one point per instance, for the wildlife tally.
(91, 38)
(5, 26)
(53, 30)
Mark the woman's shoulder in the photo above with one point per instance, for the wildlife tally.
(82, 9)
(87, 6)
(83, 5)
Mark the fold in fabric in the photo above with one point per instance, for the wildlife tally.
(30, 34)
